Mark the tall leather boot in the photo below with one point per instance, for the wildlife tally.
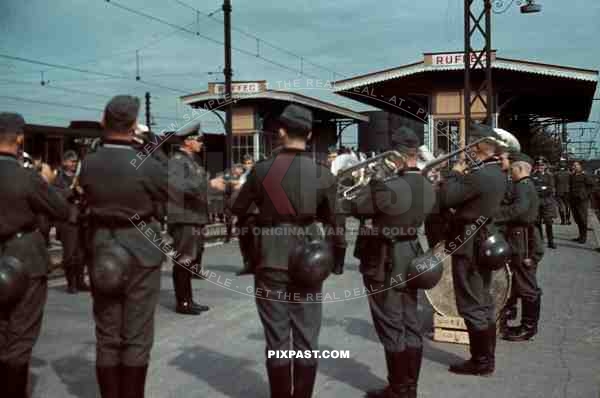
(182, 285)
(398, 379)
(108, 381)
(529, 322)
(16, 380)
(480, 363)
(133, 381)
(491, 344)
(71, 280)
(550, 235)
(280, 380)
(304, 380)
(415, 357)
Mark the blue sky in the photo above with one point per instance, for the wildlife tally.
(348, 37)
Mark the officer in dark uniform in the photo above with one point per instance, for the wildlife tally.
(581, 186)
(291, 192)
(561, 184)
(520, 217)
(476, 194)
(397, 207)
(544, 183)
(121, 186)
(186, 224)
(25, 195)
(69, 232)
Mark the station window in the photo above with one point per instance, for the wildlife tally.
(447, 135)
(242, 144)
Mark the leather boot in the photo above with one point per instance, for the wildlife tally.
(384, 392)
(16, 380)
(108, 381)
(71, 282)
(398, 364)
(491, 344)
(480, 363)
(550, 236)
(280, 380)
(133, 381)
(304, 380)
(529, 322)
(199, 307)
(183, 292)
(415, 357)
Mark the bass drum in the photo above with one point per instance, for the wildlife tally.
(442, 296)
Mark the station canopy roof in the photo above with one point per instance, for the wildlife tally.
(522, 87)
(266, 100)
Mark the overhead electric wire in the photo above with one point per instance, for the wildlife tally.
(213, 40)
(89, 71)
(58, 104)
(54, 87)
(253, 36)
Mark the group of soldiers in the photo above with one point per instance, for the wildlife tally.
(289, 192)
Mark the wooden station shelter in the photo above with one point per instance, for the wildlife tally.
(430, 91)
(254, 104)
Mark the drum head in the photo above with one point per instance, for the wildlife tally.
(443, 299)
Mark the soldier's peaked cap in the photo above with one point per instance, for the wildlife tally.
(297, 117)
(404, 138)
(520, 157)
(11, 123)
(124, 108)
(190, 131)
(479, 131)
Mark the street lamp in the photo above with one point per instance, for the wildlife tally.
(530, 7)
(479, 23)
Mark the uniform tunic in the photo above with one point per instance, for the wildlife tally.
(476, 197)
(519, 217)
(121, 193)
(25, 196)
(581, 187)
(397, 207)
(290, 192)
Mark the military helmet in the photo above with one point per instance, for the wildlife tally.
(14, 281)
(425, 271)
(494, 252)
(110, 270)
(311, 262)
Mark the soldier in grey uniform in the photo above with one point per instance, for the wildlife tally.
(581, 186)
(70, 232)
(519, 216)
(121, 186)
(397, 208)
(186, 223)
(25, 196)
(291, 193)
(561, 183)
(544, 183)
(476, 195)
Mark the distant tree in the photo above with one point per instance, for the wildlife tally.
(543, 144)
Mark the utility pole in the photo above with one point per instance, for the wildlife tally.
(474, 59)
(228, 95)
(148, 116)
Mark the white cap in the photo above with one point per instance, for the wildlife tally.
(141, 129)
